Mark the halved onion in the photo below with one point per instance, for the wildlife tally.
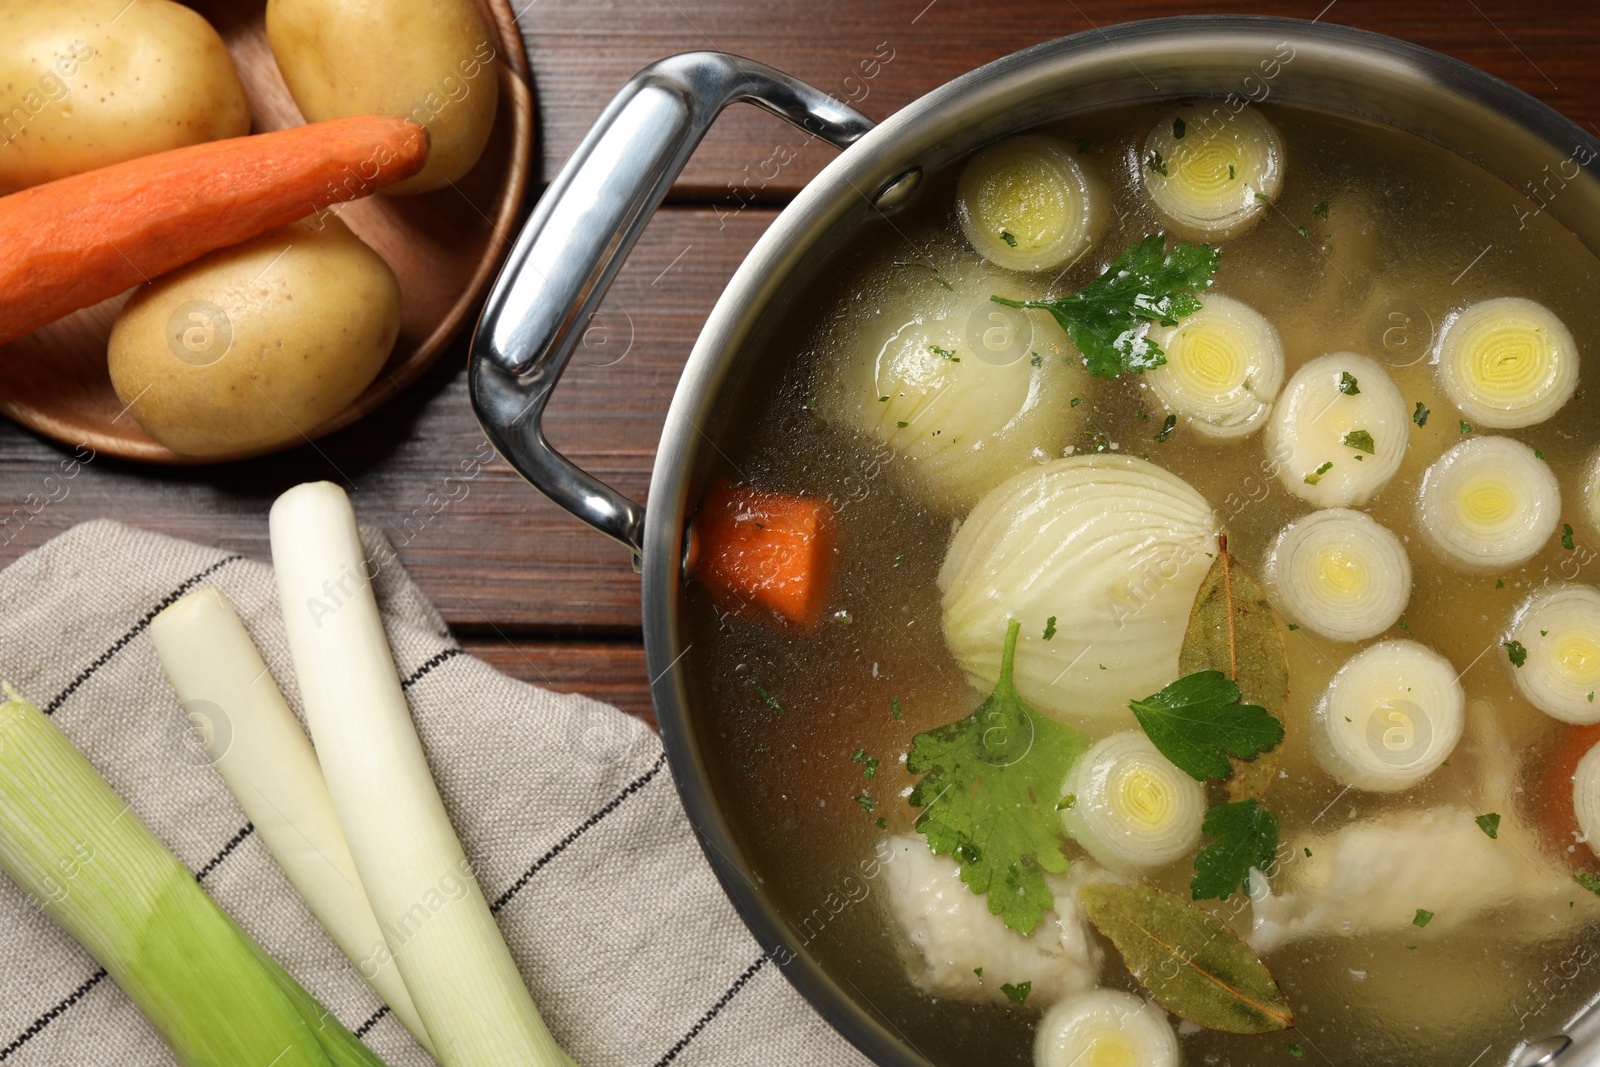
(1586, 798)
(1507, 362)
(1025, 204)
(1390, 716)
(1558, 628)
(1215, 179)
(1131, 809)
(1114, 548)
(1321, 425)
(1224, 367)
(1489, 502)
(1105, 1028)
(1591, 492)
(1339, 574)
(960, 392)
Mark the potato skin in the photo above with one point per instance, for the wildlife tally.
(431, 61)
(259, 344)
(77, 92)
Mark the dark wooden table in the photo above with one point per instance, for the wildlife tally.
(521, 583)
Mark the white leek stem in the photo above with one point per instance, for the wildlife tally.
(432, 912)
(269, 765)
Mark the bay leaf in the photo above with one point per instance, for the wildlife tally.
(1232, 629)
(1192, 963)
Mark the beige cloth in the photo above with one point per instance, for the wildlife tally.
(565, 806)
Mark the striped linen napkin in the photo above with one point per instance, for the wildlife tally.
(565, 806)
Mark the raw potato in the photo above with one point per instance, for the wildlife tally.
(77, 92)
(259, 344)
(432, 62)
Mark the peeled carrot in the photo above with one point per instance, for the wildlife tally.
(766, 554)
(74, 242)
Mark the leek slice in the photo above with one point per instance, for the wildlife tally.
(1559, 630)
(1130, 808)
(1489, 503)
(1215, 180)
(269, 766)
(1105, 1028)
(1334, 447)
(1507, 362)
(88, 862)
(1338, 573)
(1391, 715)
(1224, 367)
(1025, 204)
(433, 914)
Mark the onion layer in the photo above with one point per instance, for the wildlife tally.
(1586, 798)
(1489, 502)
(1215, 179)
(1026, 204)
(1339, 574)
(1224, 367)
(1390, 716)
(1130, 808)
(1559, 630)
(1339, 431)
(1507, 362)
(1114, 548)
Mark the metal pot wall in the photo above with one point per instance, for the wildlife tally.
(585, 224)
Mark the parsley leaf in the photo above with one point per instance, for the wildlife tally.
(1316, 476)
(1420, 416)
(1361, 441)
(1347, 384)
(1107, 319)
(1588, 881)
(1156, 164)
(1516, 652)
(988, 787)
(1489, 824)
(1167, 426)
(1321, 209)
(1197, 722)
(1246, 836)
(1005, 235)
(1049, 628)
(1017, 994)
(1178, 128)
(1566, 536)
(1422, 918)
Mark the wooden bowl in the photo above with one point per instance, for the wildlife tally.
(443, 246)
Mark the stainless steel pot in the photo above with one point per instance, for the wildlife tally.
(590, 217)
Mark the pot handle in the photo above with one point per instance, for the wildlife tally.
(576, 239)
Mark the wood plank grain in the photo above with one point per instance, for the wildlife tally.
(582, 51)
(610, 672)
(481, 542)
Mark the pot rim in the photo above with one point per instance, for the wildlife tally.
(749, 290)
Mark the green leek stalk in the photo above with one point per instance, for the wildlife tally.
(268, 763)
(87, 862)
(422, 888)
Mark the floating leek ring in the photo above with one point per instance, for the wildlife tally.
(1559, 630)
(1025, 204)
(1105, 1028)
(1507, 362)
(1131, 809)
(1224, 367)
(1339, 574)
(1390, 716)
(1320, 429)
(1586, 798)
(1489, 502)
(1591, 492)
(1218, 176)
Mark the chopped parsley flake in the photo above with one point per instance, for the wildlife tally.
(1005, 235)
(1361, 440)
(1083, 145)
(1263, 198)
(1297, 1051)
(1075, 401)
(894, 708)
(866, 802)
(1232, 174)
(1049, 628)
(1321, 209)
(1422, 918)
(1420, 416)
(1517, 654)
(944, 353)
(1489, 824)
(1499, 583)
(1537, 454)
(1294, 626)
(899, 561)
(1566, 536)
(902, 424)
(1167, 426)
(1347, 384)
(1017, 994)
(1316, 476)
(1466, 427)
(1157, 164)
(1178, 128)
(1588, 881)
(768, 698)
